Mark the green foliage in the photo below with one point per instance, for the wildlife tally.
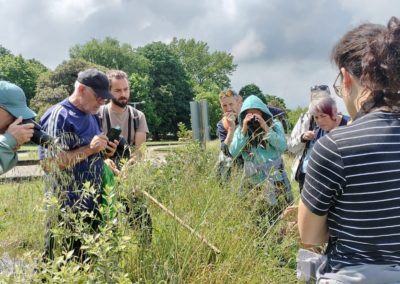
(170, 91)
(183, 132)
(22, 72)
(252, 89)
(214, 109)
(294, 115)
(4, 51)
(275, 101)
(187, 186)
(111, 54)
(205, 69)
(140, 86)
(54, 86)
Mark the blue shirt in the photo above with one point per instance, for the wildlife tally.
(74, 129)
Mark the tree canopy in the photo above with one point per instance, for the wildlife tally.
(111, 54)
(55, 86)
(170, 91)
(207, 70)
(22, 72)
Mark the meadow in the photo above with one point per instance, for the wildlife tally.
(187, 185)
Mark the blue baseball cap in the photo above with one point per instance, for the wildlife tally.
(13, 99)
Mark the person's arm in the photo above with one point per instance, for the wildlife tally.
(313, 229)
(140, 138)
(16, 135)
(276, 136)
(8, 158)
(238, 142)
(324, 180)
(67, 159)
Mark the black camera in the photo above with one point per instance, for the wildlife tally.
(39, 136)
(253, 124)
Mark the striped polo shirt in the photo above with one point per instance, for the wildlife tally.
(353, 176)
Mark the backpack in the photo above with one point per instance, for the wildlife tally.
(132, 113)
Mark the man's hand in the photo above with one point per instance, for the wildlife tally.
(22, 132)
(230, 119)
(111, 148)
(98, 143)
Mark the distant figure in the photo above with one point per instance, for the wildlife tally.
(303, 136)
(13, 134)
(351, 193)
(230, 103)
(75, 123)
(118, 113)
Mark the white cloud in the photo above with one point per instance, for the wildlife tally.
(250, 47)
(283, 46)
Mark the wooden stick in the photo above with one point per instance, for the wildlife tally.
(180, 221)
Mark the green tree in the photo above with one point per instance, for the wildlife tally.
(111, 54)
(4, 51)
(140, 87)
(275, 102)
(205, 69)
(55, 86)
(22, 72)
(170, 91)
(293, 116)
(252, 89)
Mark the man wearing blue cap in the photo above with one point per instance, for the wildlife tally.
(77, 128)
(13, 134)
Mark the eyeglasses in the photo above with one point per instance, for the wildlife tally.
(337, 87)
(319, 88)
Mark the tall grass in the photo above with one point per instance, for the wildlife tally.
(187, 185)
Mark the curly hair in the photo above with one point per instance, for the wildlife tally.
(371, 53)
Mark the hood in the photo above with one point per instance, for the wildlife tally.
(254, 102)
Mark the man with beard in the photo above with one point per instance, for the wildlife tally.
(117, 113)
(132, 122)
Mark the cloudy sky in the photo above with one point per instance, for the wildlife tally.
(283, 46)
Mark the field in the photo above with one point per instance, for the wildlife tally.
(188, 186)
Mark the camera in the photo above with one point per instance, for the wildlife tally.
(39, 136)
(253, 124)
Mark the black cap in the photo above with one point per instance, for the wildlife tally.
(96, 80)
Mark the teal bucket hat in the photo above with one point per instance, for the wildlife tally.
(13, 99)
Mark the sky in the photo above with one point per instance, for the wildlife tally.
(282, 46)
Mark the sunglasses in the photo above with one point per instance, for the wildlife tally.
(319, 88)
(227, 93)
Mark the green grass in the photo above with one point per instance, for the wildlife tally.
(187, 185)
(28, 152)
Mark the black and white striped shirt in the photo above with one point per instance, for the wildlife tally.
(354, 177)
